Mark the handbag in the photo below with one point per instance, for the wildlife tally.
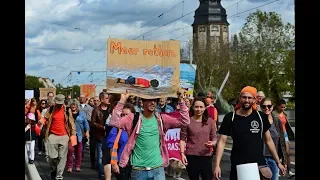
(265, 173)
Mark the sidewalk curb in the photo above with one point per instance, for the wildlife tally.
(228, 150)
(31, 170)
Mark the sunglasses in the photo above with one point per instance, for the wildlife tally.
(265, 106)
(122, 115)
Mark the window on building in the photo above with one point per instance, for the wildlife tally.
(214, 28)
(214, 10)
(202, 29)
(214, 18)
(225, 29)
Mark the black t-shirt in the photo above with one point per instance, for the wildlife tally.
(246, 135)
(75, 115)
(105, 116)
(105, 113)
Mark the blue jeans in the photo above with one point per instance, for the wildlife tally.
(99, 159)
(286, 138)
(83, 146)
(155, 174)
(274, 168)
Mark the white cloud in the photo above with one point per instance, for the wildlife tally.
(64, 36)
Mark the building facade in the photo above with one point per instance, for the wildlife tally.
(210, 26)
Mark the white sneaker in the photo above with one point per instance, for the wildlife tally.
(291, 174)
(40, 153)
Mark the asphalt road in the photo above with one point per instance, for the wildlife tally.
(88, 174)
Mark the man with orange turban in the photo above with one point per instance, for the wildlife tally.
(249, 129)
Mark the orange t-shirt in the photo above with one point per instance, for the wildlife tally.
(144, 82)
(58, 126)
(283, 122)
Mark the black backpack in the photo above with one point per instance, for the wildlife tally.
(135, 120)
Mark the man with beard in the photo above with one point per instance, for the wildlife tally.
(249, 129)
(59, 129)
(146, 147)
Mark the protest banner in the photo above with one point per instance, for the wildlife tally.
(88, 90)
(172, 139)
(187, 78)
(28, 94)
(148, 69)
(44, 92)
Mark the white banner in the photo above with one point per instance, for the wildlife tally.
(28, 94)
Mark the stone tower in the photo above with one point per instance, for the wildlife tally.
(210, 24)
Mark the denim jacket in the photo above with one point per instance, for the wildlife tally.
(81, 123)
(167, 108)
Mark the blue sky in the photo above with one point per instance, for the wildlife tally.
(63, 36)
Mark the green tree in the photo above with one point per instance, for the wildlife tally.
(263, 55)
(68, 90)
(32, 82)
(76, 88)
(60, 89)
(212, 65)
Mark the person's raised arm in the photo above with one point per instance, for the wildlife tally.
(116, 119)
(171, 122)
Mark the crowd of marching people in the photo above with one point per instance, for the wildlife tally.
(125, 134)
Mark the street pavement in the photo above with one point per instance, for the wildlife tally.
(88, 174)
(292, 150)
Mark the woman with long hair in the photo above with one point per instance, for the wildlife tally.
(200, 137)
(106, 156)
(277, 135)
(31, 106)
(38, 114)
(82, 129)
(288, 133)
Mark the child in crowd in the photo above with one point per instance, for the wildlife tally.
(30, 136)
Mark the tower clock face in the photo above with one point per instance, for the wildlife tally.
(202, 29)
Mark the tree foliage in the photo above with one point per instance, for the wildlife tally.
(261, 55)
(212, 66)
(32, 82)
(74, 90)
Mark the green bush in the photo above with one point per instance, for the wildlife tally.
(290, 105)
